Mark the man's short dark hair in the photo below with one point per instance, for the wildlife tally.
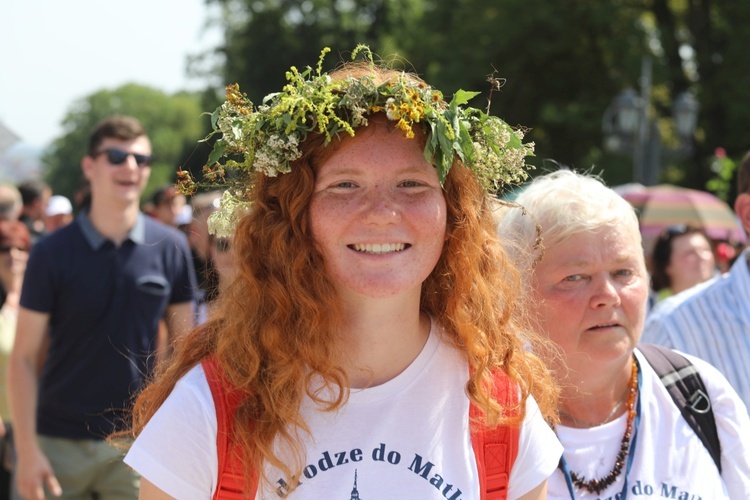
(32, 190)
(743, 175)
(164, 194)
(125, 128)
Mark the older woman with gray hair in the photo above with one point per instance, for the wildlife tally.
(623, 433)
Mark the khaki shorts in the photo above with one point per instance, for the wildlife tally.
(89, 468)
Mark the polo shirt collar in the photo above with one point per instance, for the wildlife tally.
(96, 240)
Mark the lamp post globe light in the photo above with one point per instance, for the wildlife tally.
(685, 110)
(621, 121)
(629, 127)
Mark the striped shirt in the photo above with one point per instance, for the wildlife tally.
(712, 322)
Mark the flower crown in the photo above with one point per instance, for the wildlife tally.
(266, 139)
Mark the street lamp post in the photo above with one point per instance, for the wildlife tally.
(629, 127)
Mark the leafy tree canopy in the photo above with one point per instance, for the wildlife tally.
(564, 62)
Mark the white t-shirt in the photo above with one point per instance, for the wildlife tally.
(670, 460)
(407, 438)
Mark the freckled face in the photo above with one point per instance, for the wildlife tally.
(592, 292)
(378, 215)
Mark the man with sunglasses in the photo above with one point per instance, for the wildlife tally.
(96, 289)
(712, 320)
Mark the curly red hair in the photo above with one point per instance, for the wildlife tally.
(275, 326)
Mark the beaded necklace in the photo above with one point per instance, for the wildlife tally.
(599, 485)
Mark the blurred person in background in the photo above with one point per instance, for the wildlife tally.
(12, 263)
(82, 196)
(713, 321)
(11, 202)
(203, 205)
(15, 243)
(223, 260)
(98, 287)
(59, 213)
(35, 195)
(184, 218)
(223, 269)
(682, 258)
(167, 205)
(727, 253)
(10, 210)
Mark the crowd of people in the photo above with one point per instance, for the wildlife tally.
(375, 323)
(83, 334)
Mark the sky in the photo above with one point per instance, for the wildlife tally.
(53, 52)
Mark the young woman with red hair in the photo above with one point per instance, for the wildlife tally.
(372, 307)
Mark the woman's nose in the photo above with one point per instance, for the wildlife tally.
(381, 207)
(606, 294)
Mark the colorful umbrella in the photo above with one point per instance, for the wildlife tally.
(666, 205)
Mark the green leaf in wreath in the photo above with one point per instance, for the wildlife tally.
(462, 97)
(220, 148)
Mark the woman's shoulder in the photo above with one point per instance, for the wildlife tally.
(192, 389)
(189, 409)
(176, 450)
(539, 452)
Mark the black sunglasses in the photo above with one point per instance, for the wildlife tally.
(118, 157)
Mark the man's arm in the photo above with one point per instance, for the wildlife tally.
(33, 468)
(180, 318)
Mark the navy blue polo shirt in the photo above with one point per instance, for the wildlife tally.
(105, 303)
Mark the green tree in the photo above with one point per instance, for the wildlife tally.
(563, 62)
(559, 60)
(707, 40)
(263, 38)
(173, 122)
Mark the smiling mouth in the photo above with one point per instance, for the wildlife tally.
(379, 248)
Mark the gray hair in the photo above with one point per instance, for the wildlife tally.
(563, 203)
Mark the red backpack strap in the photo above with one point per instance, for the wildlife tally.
(495, 449)
(231, 480)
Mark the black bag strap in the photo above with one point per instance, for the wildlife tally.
(686, 387)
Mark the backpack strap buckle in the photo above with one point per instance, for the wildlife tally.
(699, 402)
